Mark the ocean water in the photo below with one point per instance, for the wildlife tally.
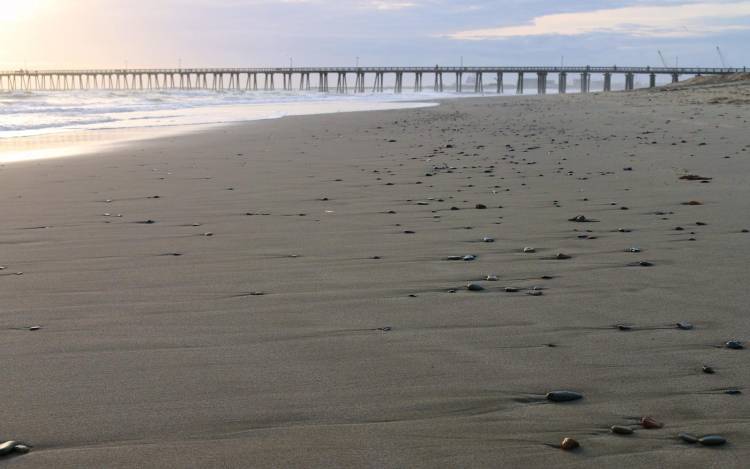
(24, 114)
(49, 124)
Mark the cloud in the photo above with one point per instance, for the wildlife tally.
(363, 4)
(389, 4)
(678, 20)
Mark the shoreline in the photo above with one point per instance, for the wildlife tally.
(72, 142)
(280, 294)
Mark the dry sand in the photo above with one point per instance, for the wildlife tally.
(147, 359)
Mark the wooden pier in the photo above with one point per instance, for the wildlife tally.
(256, 79)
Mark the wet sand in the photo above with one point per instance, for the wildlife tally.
(279, 294)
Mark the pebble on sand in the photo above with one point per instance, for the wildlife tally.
(480, 206)
(13, 446)
(580, 219)
(529, 249)
(708, 369)
(734, 344)
(569, 444)
(650, 423)
(487, 239)
(474, 287)
(694, 177)
(621, 430)
(685, 326)
(712, 440)
(563, 396)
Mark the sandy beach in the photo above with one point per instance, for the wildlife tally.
(281, 294)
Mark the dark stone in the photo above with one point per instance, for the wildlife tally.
(712, 440)
(621, 430)
(563, 396)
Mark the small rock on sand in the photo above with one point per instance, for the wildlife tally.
(569, 444)
(712, 440)
(650, 423)
(621, 430)
(563, 396)
(13, 446)
(734, 344)
(580, 219)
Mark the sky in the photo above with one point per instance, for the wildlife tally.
(39, 34)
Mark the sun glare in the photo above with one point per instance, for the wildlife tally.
(17, 10)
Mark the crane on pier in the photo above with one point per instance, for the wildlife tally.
(721, 57)
(663, 60)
